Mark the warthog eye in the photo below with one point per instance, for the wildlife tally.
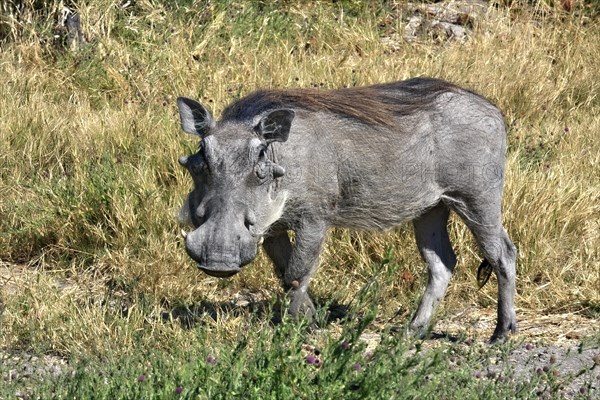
(262, 154)
(195, 163)
(262, 165)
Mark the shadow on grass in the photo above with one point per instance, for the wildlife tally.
(190, 316)
(443, 336)
(438, 336)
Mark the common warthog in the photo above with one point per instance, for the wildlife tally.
(365, 158)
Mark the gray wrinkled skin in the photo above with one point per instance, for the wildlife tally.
(364, 158)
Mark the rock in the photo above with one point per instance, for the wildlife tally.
(446, 30)
(416, 27)
(463, 12)
(448, 20)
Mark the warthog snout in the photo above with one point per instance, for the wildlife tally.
(220, 246)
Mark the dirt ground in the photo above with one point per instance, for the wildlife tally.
(561, 349)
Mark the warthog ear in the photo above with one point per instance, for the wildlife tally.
(275, 126)
(195, 118)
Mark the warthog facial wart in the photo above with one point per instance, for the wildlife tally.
(369, 158)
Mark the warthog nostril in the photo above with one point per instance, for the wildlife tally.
(250, 220)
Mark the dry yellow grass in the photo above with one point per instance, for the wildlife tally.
(90, 183)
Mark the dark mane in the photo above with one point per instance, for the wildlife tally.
(372, 105)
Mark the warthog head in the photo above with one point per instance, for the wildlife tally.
(234, 200)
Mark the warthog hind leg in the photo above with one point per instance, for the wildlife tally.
(484, 218)
(502, 254)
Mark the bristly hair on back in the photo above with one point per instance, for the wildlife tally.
(372, 105)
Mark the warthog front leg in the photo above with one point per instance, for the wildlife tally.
(434, 245)
(296, 264)
(279, 249)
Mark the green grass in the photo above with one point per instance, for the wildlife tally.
(92, 268)
(273, 366)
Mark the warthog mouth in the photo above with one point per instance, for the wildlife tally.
(219, 273)
(260, 239)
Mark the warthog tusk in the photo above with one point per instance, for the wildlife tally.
(261, 240)
(183, 233)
